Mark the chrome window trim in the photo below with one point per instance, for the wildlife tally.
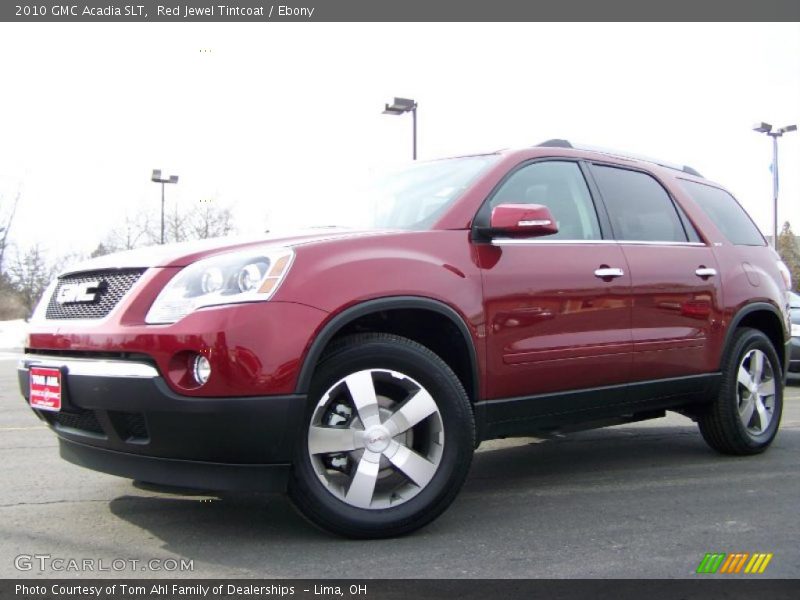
(91, 367)
(649, 243)
(523, 242)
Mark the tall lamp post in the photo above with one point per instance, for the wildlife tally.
(774, 134)
(401, 106)
(158, 178)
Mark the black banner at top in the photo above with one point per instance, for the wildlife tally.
(180, 11)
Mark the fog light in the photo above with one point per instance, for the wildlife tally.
(201, 369)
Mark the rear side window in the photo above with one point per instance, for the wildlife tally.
(639, 207)
(724, 210)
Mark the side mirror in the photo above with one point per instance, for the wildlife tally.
(522, 220)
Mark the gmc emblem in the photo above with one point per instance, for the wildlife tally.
(78, 292)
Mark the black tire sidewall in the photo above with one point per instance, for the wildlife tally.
(416, 362)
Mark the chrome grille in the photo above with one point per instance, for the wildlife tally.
(113, 285)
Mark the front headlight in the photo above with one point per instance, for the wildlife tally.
(795, 329)
(232, 278)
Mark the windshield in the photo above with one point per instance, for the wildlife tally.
(413, 197)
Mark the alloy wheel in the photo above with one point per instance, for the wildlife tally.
(756, 392)
(376, 439)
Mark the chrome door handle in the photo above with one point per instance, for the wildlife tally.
(608, 272)
(705, 272)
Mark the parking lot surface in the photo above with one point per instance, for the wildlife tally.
(644, 500)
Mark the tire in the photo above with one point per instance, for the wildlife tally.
(358, 470)
(745, 416)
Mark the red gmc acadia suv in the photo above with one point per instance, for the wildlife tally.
(525, 292)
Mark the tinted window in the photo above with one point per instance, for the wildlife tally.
(724, 210)
(639, 207)
(559, 186)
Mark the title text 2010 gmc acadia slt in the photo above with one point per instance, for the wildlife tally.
(526, 292)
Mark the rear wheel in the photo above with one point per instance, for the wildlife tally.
(388, 438)
(745, 416)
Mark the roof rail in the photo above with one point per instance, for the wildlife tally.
(558, 143)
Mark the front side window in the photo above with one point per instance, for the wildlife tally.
(560, 186)
(726, 213)
(415, 196)
(639, 207)
(412, 197)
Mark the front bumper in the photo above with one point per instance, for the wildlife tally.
(120, 417)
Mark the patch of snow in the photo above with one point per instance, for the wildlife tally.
(12, 334)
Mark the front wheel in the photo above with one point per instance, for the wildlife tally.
(388, 439)
(744, 417)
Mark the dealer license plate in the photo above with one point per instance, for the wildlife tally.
(45, 388)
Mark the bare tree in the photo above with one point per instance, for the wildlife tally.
(144, 229)
(135, 231)
(11, 306)
(176, 226)
(789, 252)
(7, 213)
(30, 273)
(210, 221)
(101, 250)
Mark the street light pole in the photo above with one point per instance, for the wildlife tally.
(774, 134)
(775, 190)
(157, 177)
(414, 141)
(401, 106)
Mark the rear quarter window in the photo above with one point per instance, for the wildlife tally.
(729, 217)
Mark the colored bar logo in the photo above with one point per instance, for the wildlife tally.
(738, 562)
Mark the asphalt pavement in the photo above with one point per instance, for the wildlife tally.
(636, 501)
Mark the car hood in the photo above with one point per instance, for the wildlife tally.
(185, 253)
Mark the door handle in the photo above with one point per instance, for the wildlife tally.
(705, 272)
(608, 272)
